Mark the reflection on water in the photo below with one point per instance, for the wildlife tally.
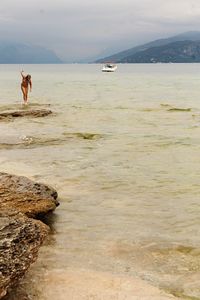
(123, 153)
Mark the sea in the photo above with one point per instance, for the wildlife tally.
(123, 151)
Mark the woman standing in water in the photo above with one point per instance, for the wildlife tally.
(26, 83)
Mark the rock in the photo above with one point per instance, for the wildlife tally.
(20, 239)
(20, 236)
(26, 196)
(25, 113)
(88, 136)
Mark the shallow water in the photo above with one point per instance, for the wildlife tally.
(122, 150)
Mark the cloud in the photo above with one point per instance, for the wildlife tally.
(76, 29)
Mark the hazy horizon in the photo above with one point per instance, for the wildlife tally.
(80, 31)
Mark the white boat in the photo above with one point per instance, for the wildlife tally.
(109, 68)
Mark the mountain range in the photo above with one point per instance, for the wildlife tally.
(182, 48)
(18, 53)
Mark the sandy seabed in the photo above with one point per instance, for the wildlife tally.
(92, 285)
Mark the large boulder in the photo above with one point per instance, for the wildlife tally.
(20, 236)
(22, 194)
(20, 239)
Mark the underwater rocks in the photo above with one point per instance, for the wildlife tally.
(25, 113)
(20, 235)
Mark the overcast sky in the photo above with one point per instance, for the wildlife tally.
(77, 29)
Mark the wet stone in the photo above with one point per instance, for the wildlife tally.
(20, 235)
(20, 239)
(26, 196)
(25, 113)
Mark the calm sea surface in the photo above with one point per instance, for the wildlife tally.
(123, 151)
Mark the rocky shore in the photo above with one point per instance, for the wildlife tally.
(21, 236)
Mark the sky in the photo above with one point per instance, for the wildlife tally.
(85, 29)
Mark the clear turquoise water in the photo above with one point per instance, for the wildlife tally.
(122, 150)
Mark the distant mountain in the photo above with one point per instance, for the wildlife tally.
(124, 56)
(176, 52)
(17, 53)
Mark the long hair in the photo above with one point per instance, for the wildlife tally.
(28, 78)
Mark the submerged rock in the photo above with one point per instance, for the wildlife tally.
(25, 113)
(179, 109)
(88, 136)
(26, 196)
(20, 239)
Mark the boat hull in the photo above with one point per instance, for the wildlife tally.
(109, 69)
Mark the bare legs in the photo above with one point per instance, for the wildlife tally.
(25, 94)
